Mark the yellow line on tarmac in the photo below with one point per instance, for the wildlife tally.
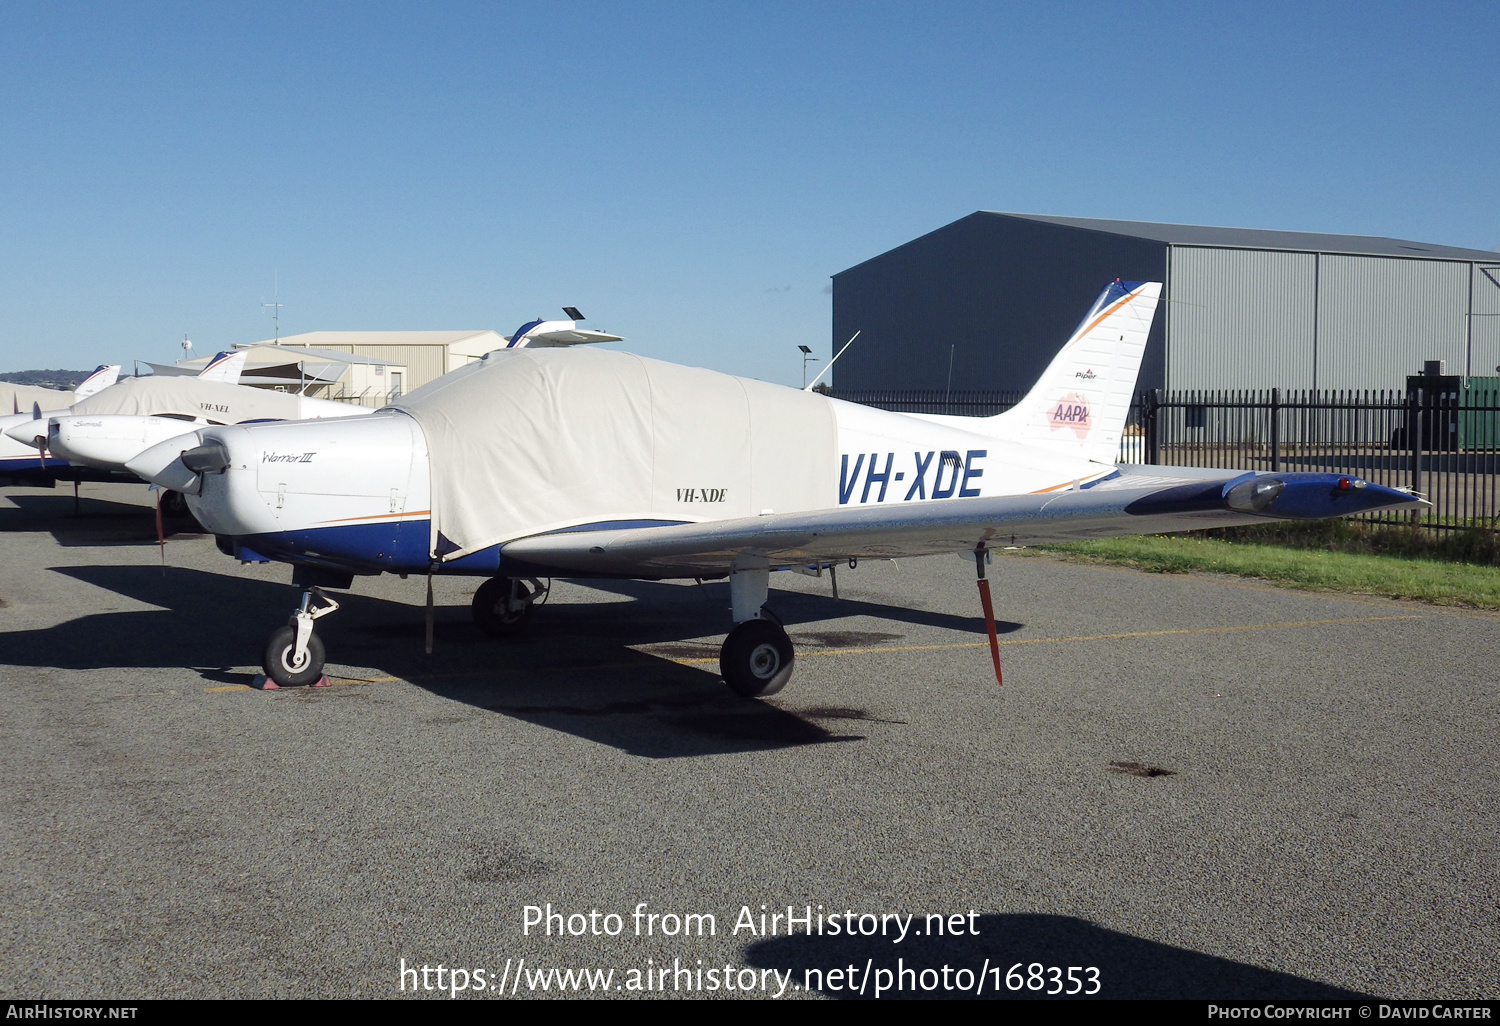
(893, 648)
(1089, 637)
(336, 680)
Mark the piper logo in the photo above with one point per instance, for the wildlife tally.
(1071, 412)
(1086, 375)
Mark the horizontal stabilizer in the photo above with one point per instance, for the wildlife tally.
(551, 334)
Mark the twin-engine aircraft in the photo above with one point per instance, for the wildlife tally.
(544, 462)
(95, 437)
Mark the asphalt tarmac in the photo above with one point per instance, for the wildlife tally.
(1193, 786)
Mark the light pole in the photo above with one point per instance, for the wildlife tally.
(806, 355)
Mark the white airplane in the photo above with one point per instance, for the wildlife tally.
(99, 434)
(535, 463)
(19, 462)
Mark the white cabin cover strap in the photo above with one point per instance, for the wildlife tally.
(534, 440)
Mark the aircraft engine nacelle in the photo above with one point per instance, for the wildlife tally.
(107, 442)
(327, 488)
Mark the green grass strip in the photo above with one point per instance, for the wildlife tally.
(1439, 582)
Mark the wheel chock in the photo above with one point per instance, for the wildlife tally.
(263, 683)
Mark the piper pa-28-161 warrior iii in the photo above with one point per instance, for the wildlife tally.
(537, 463)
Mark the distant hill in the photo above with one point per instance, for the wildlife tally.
(65, 379)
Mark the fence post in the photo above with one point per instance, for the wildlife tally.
(1414, 425)
(1275, 430)
(1150, 405)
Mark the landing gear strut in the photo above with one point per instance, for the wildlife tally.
(756, 659)
(503, 605)
(294, 654)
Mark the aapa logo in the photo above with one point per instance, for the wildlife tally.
(1071, 412)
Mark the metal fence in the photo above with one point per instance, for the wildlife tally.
(374, 398)
(1442, 444)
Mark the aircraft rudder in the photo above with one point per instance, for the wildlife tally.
(1081, 402)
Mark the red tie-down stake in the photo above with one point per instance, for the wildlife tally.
(989, 611)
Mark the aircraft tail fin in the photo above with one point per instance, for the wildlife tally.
(224, 367)
(104, 375)
(1079, 404)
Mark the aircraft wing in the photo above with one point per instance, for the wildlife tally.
(1147, 500)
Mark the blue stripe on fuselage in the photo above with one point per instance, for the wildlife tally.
(396, 547)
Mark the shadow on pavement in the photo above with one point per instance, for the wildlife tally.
(1129, 967)
(95, 521)
(580, 669)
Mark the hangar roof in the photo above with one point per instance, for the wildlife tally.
(460, 343)
(1257, 238)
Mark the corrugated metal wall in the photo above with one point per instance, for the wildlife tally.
(992, 296)
(1380, 317)
(1240, 318)
(422, 363)
(996, 295)
(1484, 344)
(1270, 319)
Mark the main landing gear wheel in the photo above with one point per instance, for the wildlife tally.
(756, 659)
(282, 665)
(502, 606)
(174, 505)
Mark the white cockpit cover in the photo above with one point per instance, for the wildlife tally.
(214, 401)
(19, 398)
(533, 440)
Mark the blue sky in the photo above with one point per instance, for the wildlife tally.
(690, 175)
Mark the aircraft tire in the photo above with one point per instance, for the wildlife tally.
(174, 505)
(756, 659)
(490, 614)
(277, 660)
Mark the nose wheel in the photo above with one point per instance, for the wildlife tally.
(285, 665)
(294, 655)
(756, 659)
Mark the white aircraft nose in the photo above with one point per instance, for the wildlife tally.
(162, 464)
(29, 432)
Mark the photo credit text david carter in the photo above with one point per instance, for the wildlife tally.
(687, 973)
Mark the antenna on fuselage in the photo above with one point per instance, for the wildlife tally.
(829, 365)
